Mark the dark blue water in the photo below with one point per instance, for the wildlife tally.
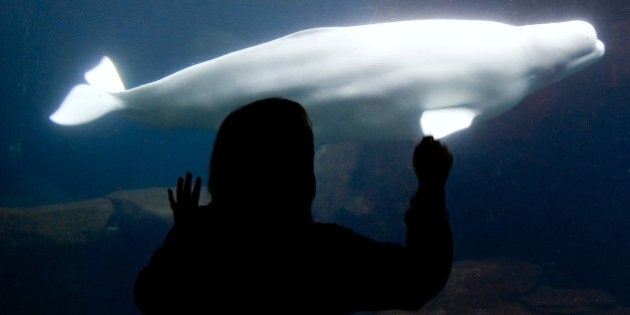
(548, 181)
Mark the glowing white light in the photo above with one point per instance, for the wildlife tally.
(105, 77)
(442, 122)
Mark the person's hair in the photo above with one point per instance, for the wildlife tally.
(263, 154)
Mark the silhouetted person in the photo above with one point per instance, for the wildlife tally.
(255, 246)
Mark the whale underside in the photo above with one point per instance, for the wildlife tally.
(384, 81)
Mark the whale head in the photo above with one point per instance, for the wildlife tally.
(557, 50)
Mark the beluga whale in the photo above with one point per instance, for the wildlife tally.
(386, 81)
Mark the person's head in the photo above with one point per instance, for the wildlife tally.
(263, 159)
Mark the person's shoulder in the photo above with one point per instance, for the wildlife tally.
(332, 228)
(337, 233)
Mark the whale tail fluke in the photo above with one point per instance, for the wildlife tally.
(87, 102)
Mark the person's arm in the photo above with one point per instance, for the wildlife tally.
(384, 276)
(428, 229)
(164, 284)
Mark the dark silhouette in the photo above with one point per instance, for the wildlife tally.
(256, 247)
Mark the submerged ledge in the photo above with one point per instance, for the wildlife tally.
(65, 258)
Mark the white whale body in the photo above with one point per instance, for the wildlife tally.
(372, 82)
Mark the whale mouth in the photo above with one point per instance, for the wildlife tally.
(574, 44)
(587, 58)
(598, 51)
(585, 36)
(561, 49)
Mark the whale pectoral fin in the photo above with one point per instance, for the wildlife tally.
(440, 123)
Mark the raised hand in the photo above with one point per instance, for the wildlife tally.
(186, 204)
(432, 162)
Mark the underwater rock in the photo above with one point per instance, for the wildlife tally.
(508, 286)
(153, 201)
(63, 224)
(486, 286)
(82, 258)
(560, 300)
